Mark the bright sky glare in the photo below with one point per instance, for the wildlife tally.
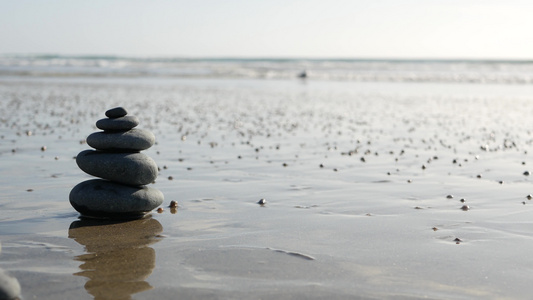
(479, 29)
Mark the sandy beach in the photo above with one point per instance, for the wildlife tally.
(363, 183)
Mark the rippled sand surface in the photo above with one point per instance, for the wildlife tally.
(355, 177)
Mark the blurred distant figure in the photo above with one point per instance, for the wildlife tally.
(303, 74)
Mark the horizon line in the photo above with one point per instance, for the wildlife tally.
(262, 57)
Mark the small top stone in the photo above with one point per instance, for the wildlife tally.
(116, 112)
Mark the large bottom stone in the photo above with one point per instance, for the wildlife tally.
(105, 199)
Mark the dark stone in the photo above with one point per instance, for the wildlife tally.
(127, 168)
(116, 112)
(131, 140)
(117, 124)
(104, 199)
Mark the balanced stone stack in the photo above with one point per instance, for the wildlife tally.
(125, 172)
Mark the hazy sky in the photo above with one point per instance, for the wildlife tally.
(270, 28)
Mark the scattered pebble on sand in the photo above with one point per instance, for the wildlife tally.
(449, 197)
(160, 210)
(465, 207)
(527, 173)
(262, 201)
(529, 197)
(9, 286)
(173, 204)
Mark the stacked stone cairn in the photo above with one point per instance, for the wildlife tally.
(122, 192)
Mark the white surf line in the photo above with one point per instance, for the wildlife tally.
(292, 253)
(297, 254)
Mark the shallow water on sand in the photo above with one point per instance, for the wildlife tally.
(355, 175)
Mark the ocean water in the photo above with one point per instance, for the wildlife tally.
(355, 171)
(436, 71)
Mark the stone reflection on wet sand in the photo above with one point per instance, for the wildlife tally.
(118, 259)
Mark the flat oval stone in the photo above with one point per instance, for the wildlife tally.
(127, 168)
(131, 140)
(105, 199)
(116, 112)
(121, 123)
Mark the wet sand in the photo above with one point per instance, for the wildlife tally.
(355, 175)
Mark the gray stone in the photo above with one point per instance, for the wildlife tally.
(131, 140)
(116, 112)
(9, 286)
(122, 123)
(127, 168)
(104, 199)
